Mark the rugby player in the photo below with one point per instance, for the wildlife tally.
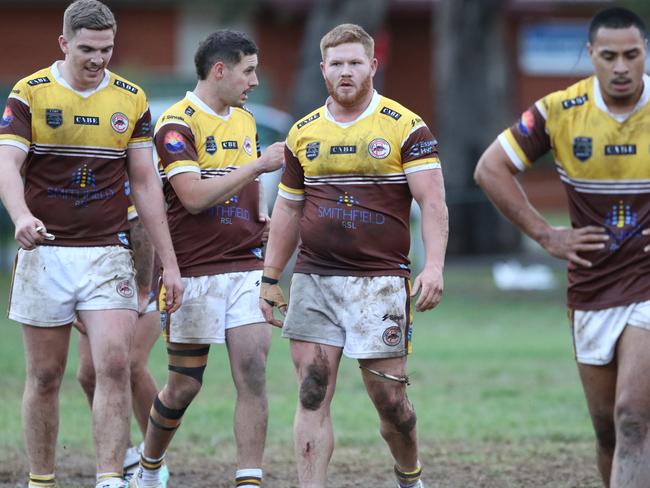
(68, 136)
(596, 130)
(353, 168)
(210, 166)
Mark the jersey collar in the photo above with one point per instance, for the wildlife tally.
(191, 96)
(600, 102)
(374, 101)
(58, 77)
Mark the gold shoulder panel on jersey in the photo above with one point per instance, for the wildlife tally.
(176, 114)
(302, 125)
(243, 111)
(24, 88)
(565, 101)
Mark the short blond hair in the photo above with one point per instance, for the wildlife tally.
(345, 33)
(87, 14)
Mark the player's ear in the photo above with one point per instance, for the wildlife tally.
(322, 68)
(218, 70)
(63, 44)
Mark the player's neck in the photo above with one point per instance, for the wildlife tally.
(349, 113)
(208, 96)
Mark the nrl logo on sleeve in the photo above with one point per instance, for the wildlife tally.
(582, 148)
(312, 150)
(210, 145)
(189, 111)
(54, 117)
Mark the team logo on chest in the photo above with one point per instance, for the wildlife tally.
(210, 145)
(379, 148)
(312, 150)
(582, 148)
(54, 117)
(119, 122)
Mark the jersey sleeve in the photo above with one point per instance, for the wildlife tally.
(419, 150)
(292, 183)
(527, 139)
(16, 121)
(142, 133)
(176, 149)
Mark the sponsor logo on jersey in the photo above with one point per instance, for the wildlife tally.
(174, 142)
(257, 252)
(127, 188)
(145, 128)
(347, 200)
(233, 199)
(125, 289)
(379, 148)
(119, 122)
(311, 150)
(392, 336)
(189, 111)
(86, 120)
(622, 222)
(422, 148)
(248, 146)
(38, 81)
(574, 102)
(83, 180)
(122, 237)
(173, 117)
(15, 91)
(391, 113)
(83, 177)
(125, 86)
(526, 123)
(582, 148)
(210, 145)
(393, 317)
(53, 117)
(343, 149)
(229, 145)
(620, 149)
(7, 117)
(311, 118)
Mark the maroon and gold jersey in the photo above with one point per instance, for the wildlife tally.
(76, 145)
(225, 238)
(603, 160)
(352, 179)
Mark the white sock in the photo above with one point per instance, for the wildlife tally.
(248, 478)
(149, 472)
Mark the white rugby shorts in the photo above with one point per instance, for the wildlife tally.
(368, 316)
(214, 303)
(596, 332)
(50, 283)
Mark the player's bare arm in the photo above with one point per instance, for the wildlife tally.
(12, 192)
(148, 199)
(198, 194)
(427, 187)
(283, 240)
(496, 175)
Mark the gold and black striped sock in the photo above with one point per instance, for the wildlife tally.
(41, 481)
(408, 479)
(248, 478)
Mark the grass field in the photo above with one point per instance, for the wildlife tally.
(493, 380)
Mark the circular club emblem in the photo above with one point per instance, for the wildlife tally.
(392, 336)
(125, 289)
(7, 117)
(379, 148)
(248, 146)
(119, 122)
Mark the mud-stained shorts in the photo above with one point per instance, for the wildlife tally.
(50, 283)
(368, 316)
(214, 303)
(596, 332)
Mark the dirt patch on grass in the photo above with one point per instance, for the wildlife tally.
(448, 465)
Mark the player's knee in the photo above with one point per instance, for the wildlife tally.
(398, 412)
(254, 376)
(181, 393)
(632, 424)
(314, 386)
(46, 380)
(605, 432)
(114, 367)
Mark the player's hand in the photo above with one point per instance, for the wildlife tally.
(79, 325)
(26, 234)
(429, 284)
(272, 158)
(565, 243)
(271, 296)
(173, 288)
(267, 227)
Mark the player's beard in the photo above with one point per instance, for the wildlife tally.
(350, 99)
